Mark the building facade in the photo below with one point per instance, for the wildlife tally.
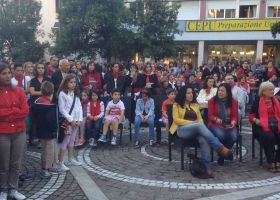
(227, 30)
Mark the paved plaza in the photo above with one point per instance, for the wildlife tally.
(125, 172)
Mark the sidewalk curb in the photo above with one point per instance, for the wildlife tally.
(244, 194)
(89, 187)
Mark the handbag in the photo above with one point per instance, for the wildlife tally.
(63, 123)
(197, 167)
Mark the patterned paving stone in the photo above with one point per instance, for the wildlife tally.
(62, 186)
(123, 172)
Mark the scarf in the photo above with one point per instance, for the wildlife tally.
(115, 74)
(19, 80)
(208, 90)
(148, 78)
(263, 113)
(245, 85)
(95, 109)
(223, 110)
(84, 107)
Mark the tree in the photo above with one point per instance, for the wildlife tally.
(19, 20)
(94, 26)
(275, 29)
(157, 26)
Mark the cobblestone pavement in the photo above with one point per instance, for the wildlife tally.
(62, 186)
(125, 172)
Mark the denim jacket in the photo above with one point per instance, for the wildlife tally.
(149, 107)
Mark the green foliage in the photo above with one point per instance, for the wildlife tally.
(275, 29)
(157, 25)
(88, 27)
(19, 20)
(113, 30)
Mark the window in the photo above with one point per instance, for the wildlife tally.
(246, 11)
(273, 11)
(221, 13)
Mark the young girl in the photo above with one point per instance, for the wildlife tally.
(95, 114)
(67, 93)
(113, 116)
(80, 139)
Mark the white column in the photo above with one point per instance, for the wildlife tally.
(200, 53)
(259, 49)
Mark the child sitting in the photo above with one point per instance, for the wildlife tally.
(113, 116)
(171, 94)
(46, 125)
(95, 114)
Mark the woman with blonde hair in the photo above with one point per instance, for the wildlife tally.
(265, 120)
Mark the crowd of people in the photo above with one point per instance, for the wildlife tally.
(208, 104)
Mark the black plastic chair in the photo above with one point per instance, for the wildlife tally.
(184, 143)
(158, 116)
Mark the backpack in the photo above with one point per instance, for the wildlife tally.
(197, 167)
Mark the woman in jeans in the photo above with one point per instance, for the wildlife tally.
(223, 116)
(188, 123)
(13, 110)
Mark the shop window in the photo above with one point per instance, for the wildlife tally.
(221, 13)
(246, 11)
(273, 11)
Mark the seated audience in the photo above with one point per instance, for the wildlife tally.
(222, 117)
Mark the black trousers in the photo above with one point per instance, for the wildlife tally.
(268, 140)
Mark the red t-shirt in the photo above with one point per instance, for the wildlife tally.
(44, 100)
(164, 105)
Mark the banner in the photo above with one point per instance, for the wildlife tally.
(230, 25)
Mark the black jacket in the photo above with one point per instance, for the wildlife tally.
(56, 80)
(140, 82)
(110, 83)
(153, 79)
(46, 120)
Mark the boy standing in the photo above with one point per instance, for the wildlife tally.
(46, 125)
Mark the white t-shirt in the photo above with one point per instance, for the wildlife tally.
(25, 80)
(115, 108)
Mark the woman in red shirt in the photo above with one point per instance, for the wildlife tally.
(222, 117)
(265, 120)
(271, 70)
(91, 79)
(13, 110)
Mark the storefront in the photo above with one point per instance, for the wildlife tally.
(229, 40)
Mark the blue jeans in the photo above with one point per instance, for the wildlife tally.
(227, 136)
(137, 123)
(205, 139)
(94, 128)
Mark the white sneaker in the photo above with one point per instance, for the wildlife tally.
(3, 196)
(16, 195)
(92, 142)
(114, 140)
(73, 161)
(62, 167)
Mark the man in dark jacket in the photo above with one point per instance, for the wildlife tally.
(58, 76)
